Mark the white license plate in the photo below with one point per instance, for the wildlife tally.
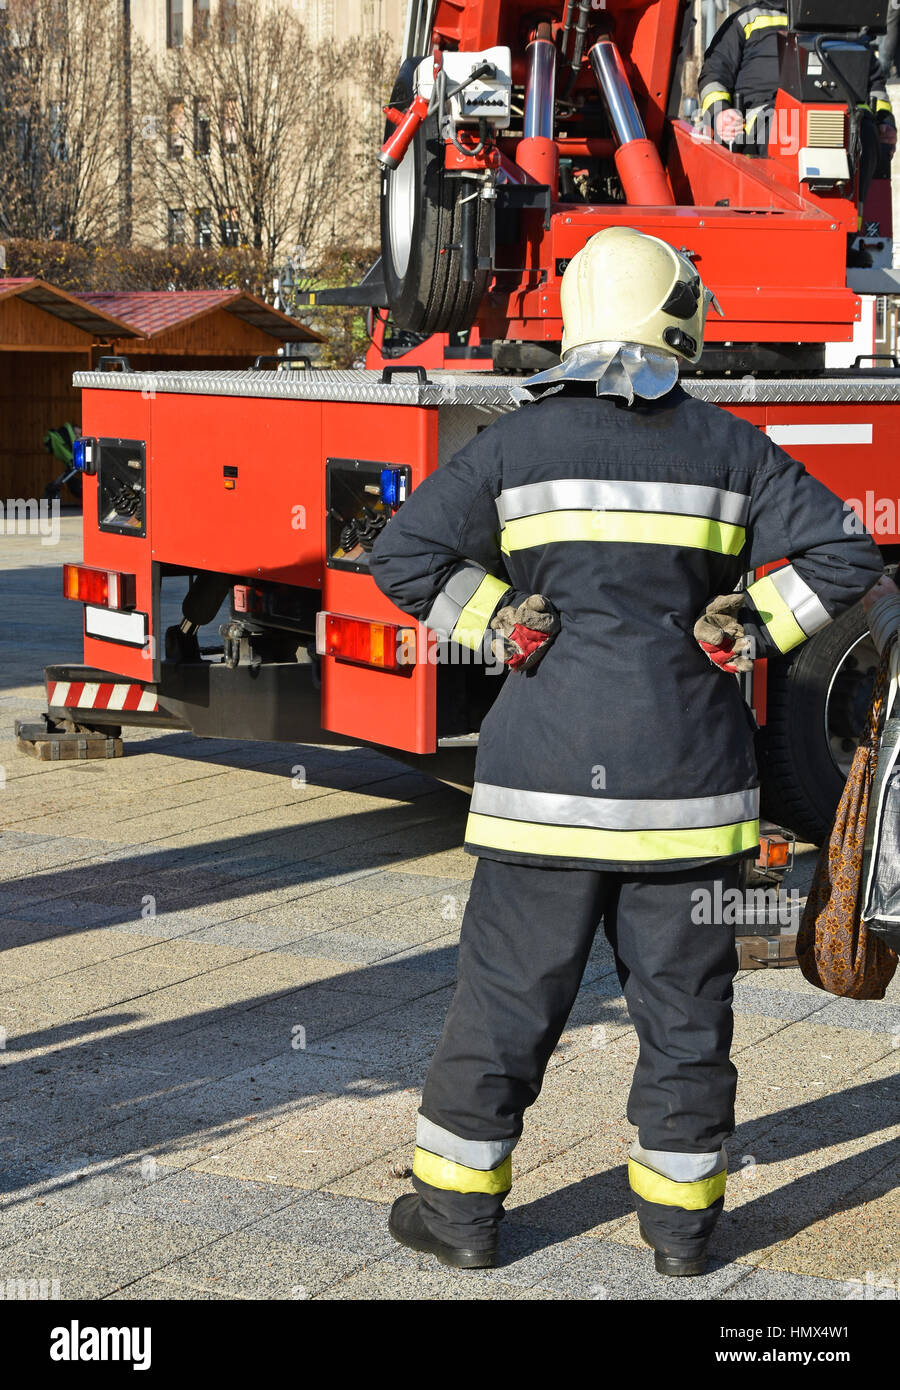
(129, 628)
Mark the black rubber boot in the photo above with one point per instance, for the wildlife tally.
(407, 1226)
(680, 1266)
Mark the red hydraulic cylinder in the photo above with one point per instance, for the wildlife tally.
(644, 180)
(537, 153)
(643, 176)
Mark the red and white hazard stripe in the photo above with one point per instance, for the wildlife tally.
(124, 695)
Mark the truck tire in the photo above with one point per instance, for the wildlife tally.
(421, 232)
(816, 707)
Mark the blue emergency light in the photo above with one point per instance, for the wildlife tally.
(393, 486)
(83, 455)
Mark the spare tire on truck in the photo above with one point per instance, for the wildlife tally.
(817, 700)
(422, 214)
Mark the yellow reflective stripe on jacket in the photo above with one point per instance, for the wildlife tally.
(766, 21)
(882, 105)
(472, 622)
(456, 1177)
(637, 528)
(627, 846)
(711, 98)
(776, 614)
(690, 1196)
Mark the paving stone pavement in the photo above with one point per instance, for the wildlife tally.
(219, 994)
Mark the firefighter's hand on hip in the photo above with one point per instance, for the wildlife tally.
(721, 636)
(521, 635)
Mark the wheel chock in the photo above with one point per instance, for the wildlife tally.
(53, 741)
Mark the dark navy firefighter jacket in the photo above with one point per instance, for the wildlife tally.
(624, 748)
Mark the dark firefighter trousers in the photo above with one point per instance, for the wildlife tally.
(526, 937)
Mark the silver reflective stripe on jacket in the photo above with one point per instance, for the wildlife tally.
(445, 612)
(483, 1154)
(604, 813)
(806, 606)
(594, 494)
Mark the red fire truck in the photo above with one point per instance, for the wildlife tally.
(515, 130)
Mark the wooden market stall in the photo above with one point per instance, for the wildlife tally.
(197, 328)
(46, 334)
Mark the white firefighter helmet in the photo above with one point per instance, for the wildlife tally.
(627, 287)
(631, 307)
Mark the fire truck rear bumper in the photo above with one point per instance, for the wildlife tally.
(278, 702)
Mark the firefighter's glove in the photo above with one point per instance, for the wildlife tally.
(721, 635)
(521, 635)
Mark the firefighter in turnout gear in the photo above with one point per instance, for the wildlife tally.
(739, 79)
(586, 535)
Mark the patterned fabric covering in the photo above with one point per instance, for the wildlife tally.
(835, 950)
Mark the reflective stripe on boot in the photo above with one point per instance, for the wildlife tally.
(690, 1181)
(445, 1161)
(678, 1197)
(462, 1183)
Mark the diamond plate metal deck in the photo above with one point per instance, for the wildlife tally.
(359, 387)
(480, 389)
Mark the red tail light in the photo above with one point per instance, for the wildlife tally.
(385, 645)
(106, 588)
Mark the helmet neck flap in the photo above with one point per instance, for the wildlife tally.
(617, 369)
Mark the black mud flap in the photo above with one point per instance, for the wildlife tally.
(275, 702)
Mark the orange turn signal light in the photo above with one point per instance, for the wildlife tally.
(105, 588)
(775, 852)
(387, 646)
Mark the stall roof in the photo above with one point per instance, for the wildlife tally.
(94, 319)
(153, 312)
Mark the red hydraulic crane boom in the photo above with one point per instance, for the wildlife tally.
(515, 131)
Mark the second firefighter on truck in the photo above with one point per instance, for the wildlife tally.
(739, 79)
(598, 536)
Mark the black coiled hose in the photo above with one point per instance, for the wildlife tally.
(581, 28)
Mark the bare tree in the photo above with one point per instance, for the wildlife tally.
(375, 62)
(254, 133)
(60, 118)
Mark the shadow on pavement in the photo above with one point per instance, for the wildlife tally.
(773, 1216)
(226, 870)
